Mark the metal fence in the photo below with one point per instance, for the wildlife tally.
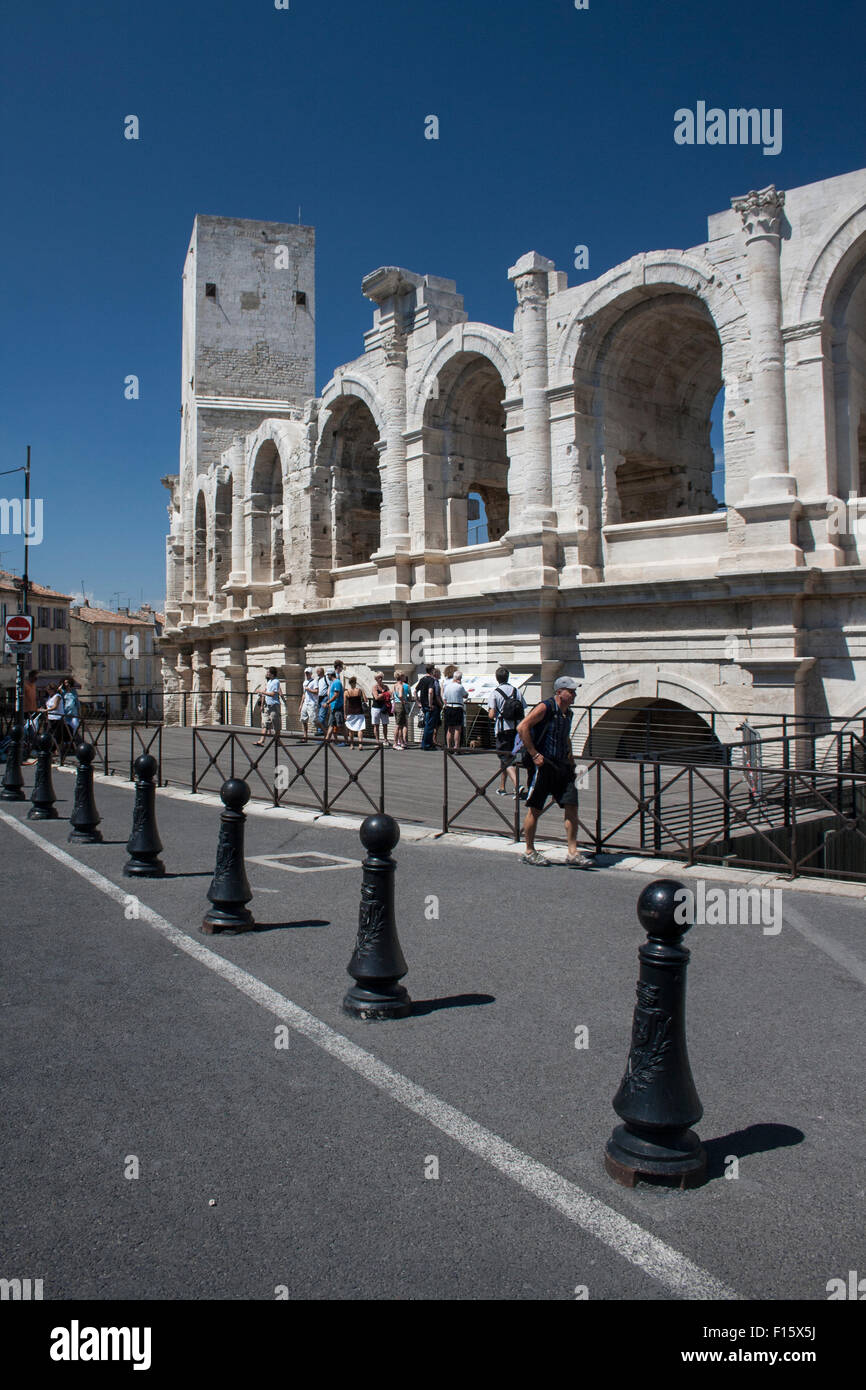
(794, 821)
(658, 731)
(782, 817)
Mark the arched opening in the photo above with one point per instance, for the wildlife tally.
(350, 450)
(222, 535)
(267, 560)
(466, 458)
(848, 356)
(199, 555)
(658, 374)
(658, 729)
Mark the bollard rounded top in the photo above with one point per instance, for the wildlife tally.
(85, 753)
(145, 767)
(657, 910)
(235, 793)
(16, 733)
(42, 743)
(379, 834)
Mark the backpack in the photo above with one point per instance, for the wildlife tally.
(512, 706)
(521, 753)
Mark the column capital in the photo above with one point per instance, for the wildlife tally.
(761, 211)
(529, 276)
(393, 342)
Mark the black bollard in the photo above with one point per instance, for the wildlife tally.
(13, 782)
(144, 844)
(657, 1097)
(85, 818)
(230, 890)
(378, 962)
(42, 796)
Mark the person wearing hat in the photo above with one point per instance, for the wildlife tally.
(544, 741)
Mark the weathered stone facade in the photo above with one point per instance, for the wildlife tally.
(303, 528)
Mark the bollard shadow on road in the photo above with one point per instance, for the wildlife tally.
(288, 926)
(193, 873)
(755, 1139)
(451, 1001)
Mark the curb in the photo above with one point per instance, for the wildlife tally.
(463, 839)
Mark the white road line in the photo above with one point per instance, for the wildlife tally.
(662, 1262)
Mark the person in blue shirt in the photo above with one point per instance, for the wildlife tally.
(335, 708)
(71, 706)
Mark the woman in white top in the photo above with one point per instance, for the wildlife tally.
(454, 696)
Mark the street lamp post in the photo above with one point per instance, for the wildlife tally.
(24, 606)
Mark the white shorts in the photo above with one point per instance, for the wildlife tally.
(356, 722)
(379, 715)
(309, 711)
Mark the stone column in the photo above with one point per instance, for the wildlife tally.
(235, 682)
(183, 669)
(762, 526)
(395, 491)
(202, 685)
(393, 291)
(171, 702)
(532, 522)
(530, 324)
(761, 213)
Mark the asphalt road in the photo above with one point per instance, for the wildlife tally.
(264, 1167)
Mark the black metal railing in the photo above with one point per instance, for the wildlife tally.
(692, 813)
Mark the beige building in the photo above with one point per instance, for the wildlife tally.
(50, 654)
(549, 488)
(115, 658)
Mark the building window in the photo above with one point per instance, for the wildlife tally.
(100, 639)
(44, 656)
(43, 618)
(112, 674)
(60, 658)
(112, 639)
(147, 673)
(59, 617)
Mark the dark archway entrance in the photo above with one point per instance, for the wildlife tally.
(657, 729)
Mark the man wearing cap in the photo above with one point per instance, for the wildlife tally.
(544, 737)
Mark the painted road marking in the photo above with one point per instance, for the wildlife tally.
(308, 861)
(642, 1249)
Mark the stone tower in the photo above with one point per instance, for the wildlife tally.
(249, 335)
(248, 352)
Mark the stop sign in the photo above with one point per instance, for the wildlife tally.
(19, 629)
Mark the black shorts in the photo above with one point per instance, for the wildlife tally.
(505, 747)
(548, 781)
(453, 717)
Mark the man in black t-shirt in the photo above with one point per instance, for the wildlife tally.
(428, 698)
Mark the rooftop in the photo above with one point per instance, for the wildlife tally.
(12, 582)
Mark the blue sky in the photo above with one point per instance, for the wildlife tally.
(556, 129)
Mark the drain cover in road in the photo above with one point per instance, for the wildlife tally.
(310, 862)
